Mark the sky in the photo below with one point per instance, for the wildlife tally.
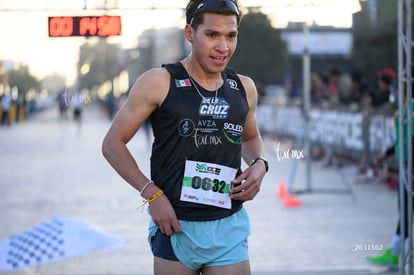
(24, 31)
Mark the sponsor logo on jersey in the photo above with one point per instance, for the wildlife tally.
(232, 84)
(233, 132)
(186, 127)
(204, 132)
(217, 108)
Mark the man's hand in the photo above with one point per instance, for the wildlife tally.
(247, 185)
(163, 215)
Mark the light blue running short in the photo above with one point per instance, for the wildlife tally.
(210, 243)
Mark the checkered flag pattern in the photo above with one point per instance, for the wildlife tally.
(52, 240)
(42, 243)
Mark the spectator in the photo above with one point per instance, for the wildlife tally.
(390, 256)
(353, 90)
(359, 88)
(333, 80)
(6, 102)
(384, 94)
(77, 102)
(344, 89)
(291, 88)
(317, 88)
(62, 103)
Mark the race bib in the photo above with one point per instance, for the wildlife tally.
(207, 183)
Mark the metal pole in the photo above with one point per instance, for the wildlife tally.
(306, 93)
(405, 132)
(408, 136)
(400, 132)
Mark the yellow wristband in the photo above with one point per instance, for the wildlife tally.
(155, 196)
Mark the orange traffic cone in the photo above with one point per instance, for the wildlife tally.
(291, 201)
(282, 189)
(288, 199)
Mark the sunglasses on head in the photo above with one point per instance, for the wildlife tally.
(216, 5)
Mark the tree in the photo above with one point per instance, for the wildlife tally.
(375, 41)
(375, 50)
(97, 63)
(261, 53)
(54, 83)
(22, 79)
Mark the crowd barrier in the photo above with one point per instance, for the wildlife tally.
(358, 135)
(15, 114)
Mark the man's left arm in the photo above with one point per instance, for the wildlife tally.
(247, 185)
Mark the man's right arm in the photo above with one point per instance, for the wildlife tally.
(146, 95)
(137, 108)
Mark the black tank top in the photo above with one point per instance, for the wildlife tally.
(186, 127)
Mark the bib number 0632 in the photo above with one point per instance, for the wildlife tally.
(207, 184)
